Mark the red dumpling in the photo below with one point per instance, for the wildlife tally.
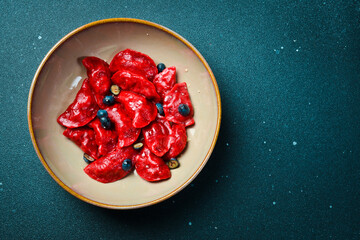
(139, 109)
(151, 167)
(177, 142)
(157, 136)
(178, 95)
(127, 134)
(131, 80)
(105, 139)
(82, 110)
(99, 100)
(84, 137)
(131, 59)
(109, 167)
(165, 81)
(98, 73)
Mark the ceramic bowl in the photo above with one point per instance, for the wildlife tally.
(58, 79)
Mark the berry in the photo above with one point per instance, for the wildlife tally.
(138, 146)
(105, 122)
(109, 100)
(161, 67)
(127, 165)
(115, 89)
(184, 109)
(173, 163)
(101, 113)
(88, 159)
(160, 109)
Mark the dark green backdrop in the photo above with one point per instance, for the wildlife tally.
(287, 161)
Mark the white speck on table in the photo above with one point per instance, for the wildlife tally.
(264, 142)
(39, 37)
(227, 144)
(294, 143)
(282, 47)
(330, 206)
(274, 203)
(269, 149)
(190, 223)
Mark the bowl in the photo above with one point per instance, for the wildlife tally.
(59, 77)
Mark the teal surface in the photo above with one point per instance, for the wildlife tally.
(287, 161)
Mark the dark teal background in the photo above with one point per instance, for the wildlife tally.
(287, 161)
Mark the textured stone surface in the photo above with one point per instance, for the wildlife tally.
(287, 162)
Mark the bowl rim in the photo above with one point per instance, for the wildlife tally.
(122, 20)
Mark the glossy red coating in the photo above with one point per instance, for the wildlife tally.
(99, 100)
(164, 137)
(105, 139)
(98, 73)
(82, 110)
(151, 167)
(177, 142)
(131, 59)
(165, 81)
(178, 95)
(157, 136)
(109, 167)
(139, 109)
(127, 134)
(130, 80)
(84, 137)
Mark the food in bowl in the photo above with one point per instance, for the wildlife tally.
(129, 114)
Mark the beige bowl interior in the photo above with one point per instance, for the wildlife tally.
(58, 79)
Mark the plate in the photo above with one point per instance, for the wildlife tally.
(58, 79)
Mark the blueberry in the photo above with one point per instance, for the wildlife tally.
(160, 109)
(101, 113)
(161, 67)
(109, 100)
(105, 122)
(88, 159)
(126, 165)
(184, 109)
